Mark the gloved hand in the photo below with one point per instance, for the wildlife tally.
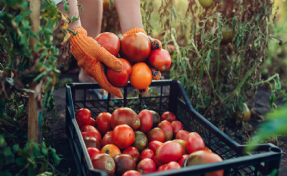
(155, 44)
(89, 54)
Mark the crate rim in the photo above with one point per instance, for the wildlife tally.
(227, 163)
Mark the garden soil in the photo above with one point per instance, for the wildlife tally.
(60, 142)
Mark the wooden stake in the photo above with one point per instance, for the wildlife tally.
(33, 119)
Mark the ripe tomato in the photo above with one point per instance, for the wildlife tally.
(123, 136)
(141, 76)
(159, 59)
(169, 151)
(125, 116)
(135, 47)
(172, 165)
(93, 152)
(111, 150)
(131, 173)
(156, 161)
(110, 42)
(133, 152)
(104, 122)
(88, 128)
(124, 163)
(182, 159)
(105, 163)
(107, 139)
(167, 129)
(147, 153)
(169, 116)
(120, 79)
(146, 120)
(92, 142)
(154, 145)
(181, 134)
(204, 157)
(161, 168)
(83, 117)
(155, 118)
(194, 142)
(156, 134)
(176, 126)
(94, 134)
(146, 166)
(93, 122)
(140, 141)
(205, 3)
(183, 144)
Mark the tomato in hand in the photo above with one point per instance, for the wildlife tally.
(147, 153)
(104, 122)
(111, 150)
(172, 165)
(131, 173)
(124, 163)
(125, 116)
(123, 136)
(154, 145)
(107, 139)
(120, 79)
(169, 151)
(167, 129)
(156, 134)
(141, 76)
(93, 152)
(159, 59)
(133, 152)
(194, 142)
(169, 116)
(146, 166)
(135, 47)
(146, 119)
(181, 134)
(176, 126)
(110, 42)
(83, 117)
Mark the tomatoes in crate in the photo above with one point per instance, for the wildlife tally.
(123, 136)
(125, 116)
(181, 134)
(156, 134)
(141, 141)
(133, 152)
(169, 151)
(167, 129)
(124, 163)
(147, 153)
(92, 151)
(105, 163)
(83, 117)
(169, 116)
(154, 145)
(111, 150)
(131, 173)
(146, 120)
(146, 166)
(104, 122)
(92, 142)
(194, 142)
(176, 126)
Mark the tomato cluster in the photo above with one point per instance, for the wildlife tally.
(134, 50)
(126, 143)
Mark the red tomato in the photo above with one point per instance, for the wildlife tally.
(141, 76)
(147, 153)
(161, 168)
(176, 126)
(146, 119)
(156, 134)
(156, 161)
(83, 117)
(183, 144)
(88, 128)
(146, 166)
(169, 151)
(90, 134)
(123, 136)
(135, 47)
(107, 139)
(167, 129)
(172, 165)
(92, 151)
(159, 59)
(92, 142)
(154, 145)
(169, 116)
(93, 122)
(194, 142)
(120, 79)
(110, 42)
(125, 116)
(133, 152)
(104, 122)
(181, 134)
(131, 173)
(105, 163)
(182, 159)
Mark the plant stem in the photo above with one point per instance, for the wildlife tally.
(266, 81)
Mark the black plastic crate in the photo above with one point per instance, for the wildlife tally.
(170, 97)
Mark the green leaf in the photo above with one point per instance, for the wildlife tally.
(31, 171)
(201, 72)
(20, 161)
(208, 59)
(9, 158)
(202, 34)
(36, 151)
(66, 6)
(16, 148)
(272, 99)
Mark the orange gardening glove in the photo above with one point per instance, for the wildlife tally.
(89, 54)
(155, 44)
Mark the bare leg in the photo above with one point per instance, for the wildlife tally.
(90, 19)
